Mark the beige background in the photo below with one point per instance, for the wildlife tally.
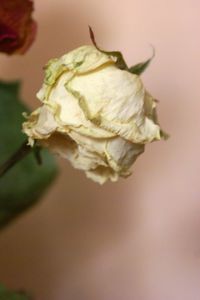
(139, 238)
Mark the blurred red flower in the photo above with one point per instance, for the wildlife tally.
(17, 28)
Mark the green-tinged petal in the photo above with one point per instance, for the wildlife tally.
(53, 69)
(82, 60)
(86, 59)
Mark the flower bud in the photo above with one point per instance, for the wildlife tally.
(94, 114)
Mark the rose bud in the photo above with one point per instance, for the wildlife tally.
(17, 28)
(94, 114)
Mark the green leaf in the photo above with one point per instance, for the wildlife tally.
(8, 295)
(120, 63)
(23, 185)
(141, 67)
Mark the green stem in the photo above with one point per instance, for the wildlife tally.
(21, 153)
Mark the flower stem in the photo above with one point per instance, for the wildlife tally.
(21, 153)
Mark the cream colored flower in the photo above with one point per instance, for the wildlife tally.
(94, 114)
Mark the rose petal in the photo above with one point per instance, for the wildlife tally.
(115, 101)
(68, 112)
(17, 29)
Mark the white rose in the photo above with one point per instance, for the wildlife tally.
(94, 114)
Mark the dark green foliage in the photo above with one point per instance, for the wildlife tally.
(23, 185)
(8, 295)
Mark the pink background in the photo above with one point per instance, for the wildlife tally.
(139, 238)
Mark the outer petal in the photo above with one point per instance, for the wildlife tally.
(102, 174)
(79, 156)
(108, 158)
(79, 61)
(86, 59)
(114, 99)
(122, 154)
(116, 153)
(40, 124)
(68, 112)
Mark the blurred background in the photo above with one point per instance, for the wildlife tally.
(138, 238)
